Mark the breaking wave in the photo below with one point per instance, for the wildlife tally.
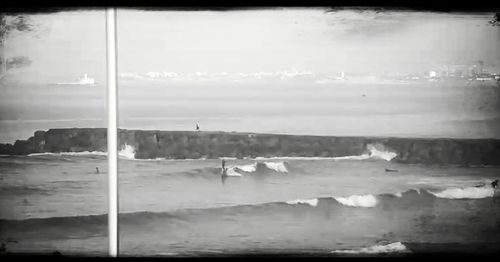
(372, 153)
(232, 172)
(83, 153)
(396, 247)
(357, 201)
(311, 202)
(375, 205)
(465, 193)
(276, 166)
(127, 152)
(247, 168)
(380, 154)
(238, 170)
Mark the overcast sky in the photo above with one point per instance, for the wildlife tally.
(69, 44)
(72, 43)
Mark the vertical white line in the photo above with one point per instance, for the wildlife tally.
(112, 131)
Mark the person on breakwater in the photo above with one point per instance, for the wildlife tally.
(224, 171)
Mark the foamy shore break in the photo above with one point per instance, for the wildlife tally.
(154, 144)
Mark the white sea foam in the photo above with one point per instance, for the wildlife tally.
(396, 247)
(373, 152)
(357, 201)
(385, 155)
(83, 153)
(310, 158)
(232, 172)
(127, 152)
(248, 168)
(360, 157)
(465, 193)
(311, 202)
(398, 194)
(277, 166)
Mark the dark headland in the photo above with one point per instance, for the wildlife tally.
(151, 144)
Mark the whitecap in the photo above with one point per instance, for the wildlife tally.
(277, 166)
(82, 153)
(357, 201)
(385, 155)
(247, 168)
(311, 202)
(127, 152)
(232, 172)
(465, 193)
(396, 247)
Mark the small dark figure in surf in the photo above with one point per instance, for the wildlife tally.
(97, 170)
(496, 190)
(494, 184)
(224, 171)
(197, 127)
(390, 170)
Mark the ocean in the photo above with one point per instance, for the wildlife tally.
(353, 205)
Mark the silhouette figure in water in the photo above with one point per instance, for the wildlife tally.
(97, 170)
(197, 127)
(224, 171)
(496, 191)
(390, 170)
(494, 184)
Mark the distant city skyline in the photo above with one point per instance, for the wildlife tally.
(266, 40)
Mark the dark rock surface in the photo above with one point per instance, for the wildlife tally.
(150, 144)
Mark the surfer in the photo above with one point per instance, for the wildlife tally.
(197, 127)
(496, 191)
(390, 170)
(97, 170)
(494, 184)
(224, 171)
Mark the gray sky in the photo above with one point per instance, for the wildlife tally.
(259, 40)
(73, 43)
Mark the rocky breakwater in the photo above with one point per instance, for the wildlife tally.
(152, 144)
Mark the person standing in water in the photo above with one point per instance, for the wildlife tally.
(494, 184)
(197, 127)
(224, 171)
(496, 190)
(97, 170)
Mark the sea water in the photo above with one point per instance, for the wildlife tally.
(337, 206)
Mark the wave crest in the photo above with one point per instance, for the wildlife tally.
(311, 202)
(277, 166)
(465, 193)
(396, 247)
(83, 153)
(380, 154)
(232, 172)
(357, 201)
(127, 152)
(250, 168)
